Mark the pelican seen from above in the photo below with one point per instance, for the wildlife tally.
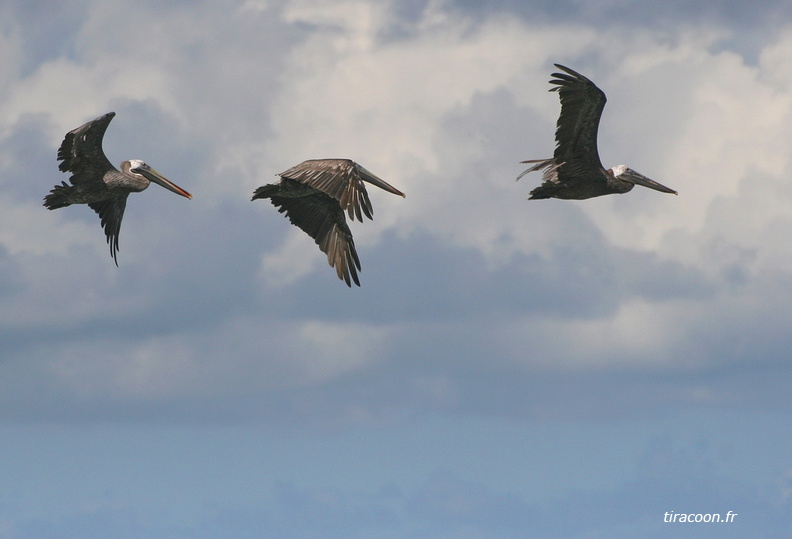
(96, 182)
(575, 171)
(314, 196)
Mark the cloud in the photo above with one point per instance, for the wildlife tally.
(220, 293)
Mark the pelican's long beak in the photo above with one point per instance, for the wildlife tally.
(159, 179)
(382, 184)
(640, 179)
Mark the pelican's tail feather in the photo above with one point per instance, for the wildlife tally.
(58, 197)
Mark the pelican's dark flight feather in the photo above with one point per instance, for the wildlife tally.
(96, 182)
(575, 171)
(314, 196)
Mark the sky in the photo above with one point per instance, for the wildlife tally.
(508, 368)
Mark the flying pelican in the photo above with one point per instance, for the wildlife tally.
(98, 183)
(314, 196)
(575, 171)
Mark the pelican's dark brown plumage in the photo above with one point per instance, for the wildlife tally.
(314, 196)
(575, 171)
(96, 182)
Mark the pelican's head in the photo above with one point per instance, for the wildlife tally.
(626, 174)
(139, 168)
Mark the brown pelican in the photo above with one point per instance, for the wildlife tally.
(314, 196)
(575, 171)
(98, 183)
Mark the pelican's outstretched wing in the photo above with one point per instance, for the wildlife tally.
(111, 212)
(319, 216)
(81, 151)
(576, 130)
(341, 179)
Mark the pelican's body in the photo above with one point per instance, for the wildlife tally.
(314, 196)
(96, 182)
(575, 171)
